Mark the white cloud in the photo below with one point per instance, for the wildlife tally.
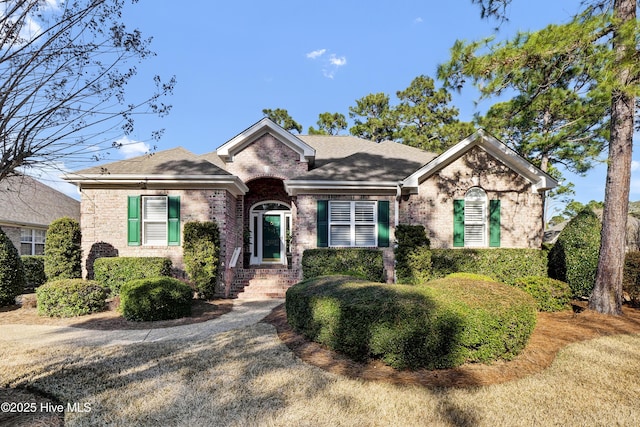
(129, 148)
(316, 53)
(330, 63)
(418, 20)
(338, 62)
(635, 165)
(50, 175)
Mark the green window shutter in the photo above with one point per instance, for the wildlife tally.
(494, 223)
(174, 221)
(458, 223)
(133, 221)
(383, 224)
(322, 220)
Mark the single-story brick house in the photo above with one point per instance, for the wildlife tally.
(27, 207)
(275, 194)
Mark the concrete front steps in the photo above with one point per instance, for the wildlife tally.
(259, 283)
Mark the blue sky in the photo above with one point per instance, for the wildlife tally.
(232, 59)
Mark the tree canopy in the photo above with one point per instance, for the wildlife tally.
(282, 118)
(64, 69)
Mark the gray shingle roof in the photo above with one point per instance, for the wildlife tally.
(386, 161)
(176, 162)
(26, 201)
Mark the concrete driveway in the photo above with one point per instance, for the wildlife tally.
(244, 313)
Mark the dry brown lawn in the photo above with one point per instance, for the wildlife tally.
(249, 377)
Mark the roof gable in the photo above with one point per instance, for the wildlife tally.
(227, 150)
(540, 180)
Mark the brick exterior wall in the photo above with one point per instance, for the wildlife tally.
(104, 223)
(266, 157)
(520, 211)
(304, 234)
(13, 233)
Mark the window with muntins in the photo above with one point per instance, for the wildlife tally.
(476, 220)
(352, 223)
(32, 241)
(153, 220)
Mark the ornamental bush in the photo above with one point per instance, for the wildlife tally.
(70, 297)
(62, 250)
(440, 324)
(201, 256)
(12, 278)
(471, 276)
(159, 298)
(574, 257)
(362, 263)
(503, 265)
(34, 270)
(413, 259)
(631, 282)
(550, 294)
(113, 272)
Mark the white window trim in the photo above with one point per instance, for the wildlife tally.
(31, 242)
(470, 198)
(165, 221)
(353, 224)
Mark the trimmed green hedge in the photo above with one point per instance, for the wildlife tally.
(441, 324)
(159, 298)
(113, 272)
(362, 263)
(574, 257)
(34, 270)
(201, 249)
(12, 279)
(550, 294)
(413, 258)
(471, 276)
(503, 265)
(62, 250)
(70, 297)
(631, 282)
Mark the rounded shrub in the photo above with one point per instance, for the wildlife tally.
(113, 272)
(574, 257)
(70, 297)
(62, 250)
(201, 247)
(441, 324)
(12, 277)
(34, 270)
(159, 298)
(550, 294)
(471, 276)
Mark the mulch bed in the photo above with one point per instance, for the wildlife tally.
(201, 311)
(553, 331)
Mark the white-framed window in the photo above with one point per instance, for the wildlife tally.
(352, 223)
(475, 218)
(32, 241)
(154, 220)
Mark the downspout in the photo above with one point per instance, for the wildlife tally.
(395, 226)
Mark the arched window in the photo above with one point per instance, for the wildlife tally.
(475, 217)
(476, 220)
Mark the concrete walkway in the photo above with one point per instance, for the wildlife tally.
(244, 313)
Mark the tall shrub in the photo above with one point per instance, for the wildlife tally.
(201, 254)
(631, 280)
(62, 251)
(413, 259)
(12, 278)
(574, 257)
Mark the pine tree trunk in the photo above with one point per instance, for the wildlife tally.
(607, 293)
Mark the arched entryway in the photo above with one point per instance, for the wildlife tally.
(270, 229)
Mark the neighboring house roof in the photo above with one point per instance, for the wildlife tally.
(25, 201)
